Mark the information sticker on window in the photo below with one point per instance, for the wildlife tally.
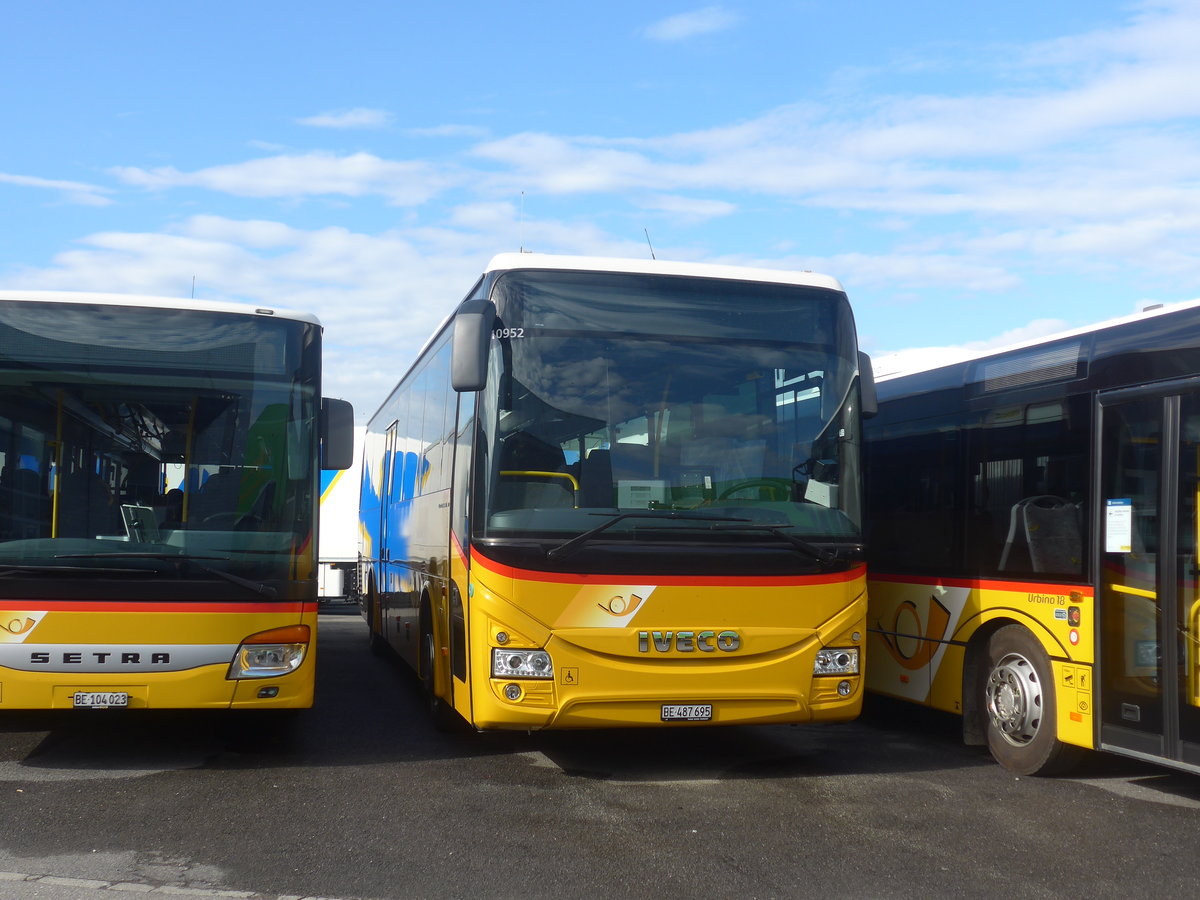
(1118, 530)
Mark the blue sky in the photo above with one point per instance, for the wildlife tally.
(973, 174)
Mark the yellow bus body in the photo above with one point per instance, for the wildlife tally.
(920, 630)
(624, 647)
(163, 655)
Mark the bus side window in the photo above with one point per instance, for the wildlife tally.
(911, 480)
(1029, 469)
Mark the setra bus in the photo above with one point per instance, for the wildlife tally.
(624, 493)
(159, 462)
(1032, 524)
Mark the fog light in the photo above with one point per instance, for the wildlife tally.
(844, 688)
(512, 691)
(267, 693)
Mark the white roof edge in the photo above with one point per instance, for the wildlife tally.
(140, 300)
(952, 356)
(503, 261)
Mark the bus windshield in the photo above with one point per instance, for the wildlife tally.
(141, 445)
(703, 400)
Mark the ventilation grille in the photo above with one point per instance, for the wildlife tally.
(1035, 366)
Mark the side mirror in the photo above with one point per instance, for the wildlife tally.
(337, 434)
(866, 386)
(472, 337)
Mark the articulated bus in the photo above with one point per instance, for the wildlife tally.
(622, 493)
(1032, 526)
(159, 463)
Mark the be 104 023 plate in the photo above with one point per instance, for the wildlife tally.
(100, 700)
(687, 712)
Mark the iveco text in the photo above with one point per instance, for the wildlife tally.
(689, 641)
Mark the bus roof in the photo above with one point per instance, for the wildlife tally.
(899, 365)
(109, 299)
(509, 261)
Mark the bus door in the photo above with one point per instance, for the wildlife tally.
(387, 499)
(1148, 677)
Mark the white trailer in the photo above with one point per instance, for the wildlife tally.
(337, 547)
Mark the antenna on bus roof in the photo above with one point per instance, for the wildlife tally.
(647, 230)
(193, 287)
(521, 226)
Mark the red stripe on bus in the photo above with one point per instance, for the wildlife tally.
(496, 568)
(988, 584)
(154, 606)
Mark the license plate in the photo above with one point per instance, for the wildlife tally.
(686, 712)
(100, 699)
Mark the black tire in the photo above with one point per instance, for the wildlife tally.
(440, 712)
(1019, 706)
(375, 642)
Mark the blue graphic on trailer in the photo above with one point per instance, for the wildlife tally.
(328, 477)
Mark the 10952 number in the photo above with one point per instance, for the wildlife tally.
(502, 333)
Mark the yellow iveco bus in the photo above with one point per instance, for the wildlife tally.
(159, 463)
(1032, 529)
(624, 493)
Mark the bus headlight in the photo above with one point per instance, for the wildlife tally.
(521, 664)
(270, 653)
(836, 661)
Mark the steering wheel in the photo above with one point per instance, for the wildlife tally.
(777, 488)
(233, 520)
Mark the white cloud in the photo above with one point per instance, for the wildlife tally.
(686, 209)
(485, 216)
(1098, 163)
(556, 165)
(403, 183)
(359, 117)
(73, 191)
(1106, 155)
(903, 268)
(448, 131)
(934, 154)
(684, 26)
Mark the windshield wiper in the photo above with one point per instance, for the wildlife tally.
(820, 554)
(264, 590)
(23, 569)
(566, 548)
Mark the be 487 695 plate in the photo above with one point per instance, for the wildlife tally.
(687, 712)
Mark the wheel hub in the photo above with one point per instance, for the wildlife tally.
(1014, 699)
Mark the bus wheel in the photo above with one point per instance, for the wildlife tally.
(440, 712)
(1020, 706)
(375, 641)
